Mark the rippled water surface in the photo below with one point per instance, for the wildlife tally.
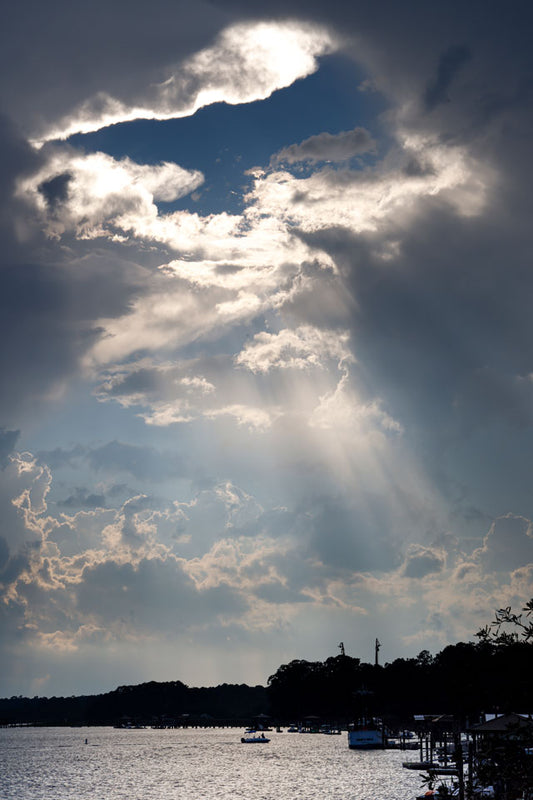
(55, 763)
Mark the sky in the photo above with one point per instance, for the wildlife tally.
(267, 341)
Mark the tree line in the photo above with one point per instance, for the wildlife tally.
(492, 674)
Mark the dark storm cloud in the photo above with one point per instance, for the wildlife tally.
(450, 63)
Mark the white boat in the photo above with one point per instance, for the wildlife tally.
(365, 736)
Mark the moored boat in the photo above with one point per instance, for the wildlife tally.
(366, 735)
(430, 766)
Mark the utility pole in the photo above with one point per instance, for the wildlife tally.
(378, 645)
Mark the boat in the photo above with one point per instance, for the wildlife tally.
(365, 735)
(254, 739)
(430, 766)
(329, 731)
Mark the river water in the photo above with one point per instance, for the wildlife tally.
(211, 764)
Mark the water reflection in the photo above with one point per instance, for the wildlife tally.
(194, 764)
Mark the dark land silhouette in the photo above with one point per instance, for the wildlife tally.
(492, 674)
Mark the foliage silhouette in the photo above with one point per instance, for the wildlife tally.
(464, 679)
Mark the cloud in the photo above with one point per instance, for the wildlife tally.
(150, 570)
(422, 561)
(507, 545)
(321, 397)
(372, 199)
(327, 147)
(300, 348)
(247, 62)
(81, 498)
(47, 309)
(93, 194)
(156, 595)
(8, 440)
(450, 63)
(59, 457)
(144, 463)
(24, 486)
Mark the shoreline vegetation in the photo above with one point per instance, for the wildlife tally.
(464, 680)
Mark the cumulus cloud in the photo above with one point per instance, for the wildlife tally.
(300, 348)
(93, 194)
(370, 199)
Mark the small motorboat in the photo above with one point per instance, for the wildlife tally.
(249, 738)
